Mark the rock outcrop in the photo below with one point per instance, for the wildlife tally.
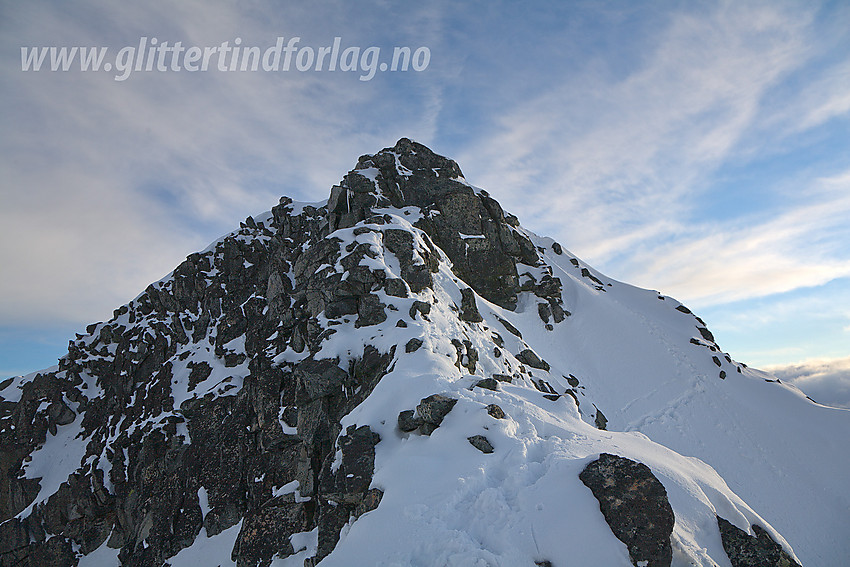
(635, 506)
(758, 550)
(180, 392)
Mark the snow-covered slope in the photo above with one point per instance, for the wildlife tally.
(405, 376)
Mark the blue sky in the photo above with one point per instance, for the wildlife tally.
(698, 148)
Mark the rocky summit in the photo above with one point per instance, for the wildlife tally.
(404, 375)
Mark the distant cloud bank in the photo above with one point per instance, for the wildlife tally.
(825, 381)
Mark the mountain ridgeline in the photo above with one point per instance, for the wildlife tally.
(404, 375)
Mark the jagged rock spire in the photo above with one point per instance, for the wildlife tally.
(406, 174)
(466, 223)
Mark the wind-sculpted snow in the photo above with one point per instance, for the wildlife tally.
(403, 376)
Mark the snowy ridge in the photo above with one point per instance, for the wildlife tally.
(259, 404)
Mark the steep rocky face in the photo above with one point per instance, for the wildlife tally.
(225, 398)
(205, 395)
(468, 225)
(182, 419)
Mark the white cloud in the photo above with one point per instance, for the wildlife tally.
(750, 258)
(760, 316)
(823, 95)
(607, 148)
(613, 155)
(827, 381)
(617, 168)
(107, 185)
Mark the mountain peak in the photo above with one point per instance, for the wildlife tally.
(408, 174)
(409, 158)
(407, 376)
(466, 223)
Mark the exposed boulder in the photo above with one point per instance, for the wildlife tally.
(481, 443)
(635, 506)
(758, 550)
(599, 419)
(468, 307)
(432, 410)
(706, 334)
(496, 411)
(419, 307)
(488, 384)
(529, 357)
(413, 345)
(408, 421)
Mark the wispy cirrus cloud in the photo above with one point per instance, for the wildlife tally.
(614, 154)
(631, 135)
(621, 168)
(729, 261)
(707, 169)
(108, 184)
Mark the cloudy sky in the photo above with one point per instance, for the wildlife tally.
(698, 148)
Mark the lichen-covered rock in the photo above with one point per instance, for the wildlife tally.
(635, 506)
(759, 550)
(496, 411)
(432, 410)
(344, 491)
(408, 421)
(350, 481)
(265, 531)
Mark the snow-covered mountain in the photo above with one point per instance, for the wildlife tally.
(403, 375)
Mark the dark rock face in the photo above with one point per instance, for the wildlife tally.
(344, 491)
(530, 358)
(408, 421)
(432, 410)
(481, 443)
(244, 425)
(759, 550)
(599, 419)
(481, 240)
(266, 530)
(635, 506)
(468, 308)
